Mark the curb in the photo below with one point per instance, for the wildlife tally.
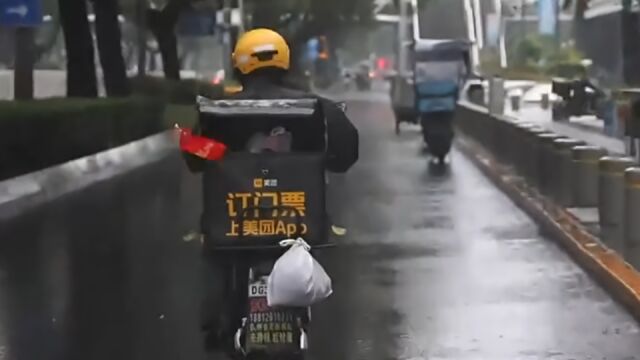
(608, 268)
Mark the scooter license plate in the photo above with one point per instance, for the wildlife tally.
(269, 329)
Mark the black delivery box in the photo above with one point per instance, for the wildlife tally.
(257, 199)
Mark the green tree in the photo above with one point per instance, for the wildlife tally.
(298, 20)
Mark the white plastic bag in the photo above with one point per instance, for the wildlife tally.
(297, 279)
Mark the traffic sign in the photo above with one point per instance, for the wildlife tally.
(20, 12)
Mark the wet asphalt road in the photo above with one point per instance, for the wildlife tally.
(439, 264)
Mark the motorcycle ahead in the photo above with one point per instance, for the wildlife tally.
(251, 201)
(440, 69)
(363, 78)
(437, 132)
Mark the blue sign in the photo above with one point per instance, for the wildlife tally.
(20, 12)
(547, 16)
(312, 49)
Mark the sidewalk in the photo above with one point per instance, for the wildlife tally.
(586, 128)
(577, 130)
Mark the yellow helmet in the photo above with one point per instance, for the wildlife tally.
(261, 48)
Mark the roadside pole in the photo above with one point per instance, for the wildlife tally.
(523, 21)
(241, 26)
(558, 36)
(226, 38)
(402, 37)
(469, 14)
(24, 63)
(401, 60)
(502, 44)
(24, 16)
(477, 11)
(141, 10)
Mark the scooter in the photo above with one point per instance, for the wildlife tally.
(437, 132)
(440, 69)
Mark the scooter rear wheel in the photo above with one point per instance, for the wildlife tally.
(437, 132)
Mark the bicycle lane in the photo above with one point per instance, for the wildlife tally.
(439, 264)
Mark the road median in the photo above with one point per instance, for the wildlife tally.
(608, 267)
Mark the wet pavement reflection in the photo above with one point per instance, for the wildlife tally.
(439, 264)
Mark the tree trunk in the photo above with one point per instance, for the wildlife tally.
(81, 69)
(162, 24)
(109, 39)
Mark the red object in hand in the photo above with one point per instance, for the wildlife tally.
(201, 146)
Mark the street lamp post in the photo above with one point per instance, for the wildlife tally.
(226, 38)
(523, 23)
(471, 16)
(477, 11)
(558, 36)
(141, 9)
(502, 44)
(402, 37)
(241, 26)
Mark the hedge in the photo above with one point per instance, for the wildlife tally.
(174, 91)
(39, 134)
